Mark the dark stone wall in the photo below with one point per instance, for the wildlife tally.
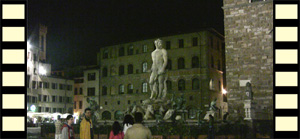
(249, 53)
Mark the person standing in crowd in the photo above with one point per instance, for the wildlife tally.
(116, 132)
(67, 129)
(58, 126)
(127, 123)
(138, 131)
(86, 125)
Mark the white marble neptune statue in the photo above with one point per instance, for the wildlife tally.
(158, 77)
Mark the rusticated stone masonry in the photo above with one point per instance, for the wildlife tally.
(249, 53)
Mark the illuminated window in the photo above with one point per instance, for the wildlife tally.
(145, 66)
(105, 54)
(130, 50)
(145, 87)
(130, 89)
(91, 76)
(145, 48)
(121, 89)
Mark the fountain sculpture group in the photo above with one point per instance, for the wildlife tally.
(158, 107)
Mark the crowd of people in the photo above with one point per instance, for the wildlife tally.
(132, 128)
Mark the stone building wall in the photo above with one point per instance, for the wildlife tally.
(78, 97)
(249, 53)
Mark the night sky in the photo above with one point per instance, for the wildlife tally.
(78, 28)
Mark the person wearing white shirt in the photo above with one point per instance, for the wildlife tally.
(127, 123)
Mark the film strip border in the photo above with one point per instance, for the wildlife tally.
(13, 69)
(286, 68)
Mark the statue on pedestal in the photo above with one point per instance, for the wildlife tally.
(248, 91)
(149, 112)
(199, 112)
(180, 103)
(95, 109)
(213, 105)
(158, 75)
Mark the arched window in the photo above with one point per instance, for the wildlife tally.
(145, 87)
(80, 91)
(195, 41)
(106, 115)
(211, 84)
(169, 64)
(105, 54)
(181, 63)
(169, 85)
(104, 72)
(180, 43)
(195, 83)
(121, 89)
(145, 66)
(192, 113)
(121, 70)
(121, 51)
(195, 62)
(168, 45)
(130, 50)
(130, 89)
(144, 48)
(119, 115)
(104, 90)
(113, 90)
(112, 70)
(75, 91)
(130, 69)
(181, 85)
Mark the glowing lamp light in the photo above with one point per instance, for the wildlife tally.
(30, 114)
(34, 120)
(224, 91)
(29, 46)
(42, 71)
(32, 108)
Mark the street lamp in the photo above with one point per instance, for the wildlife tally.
(42, 70)
(224, 91)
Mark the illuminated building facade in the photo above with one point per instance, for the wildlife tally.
(46, 93)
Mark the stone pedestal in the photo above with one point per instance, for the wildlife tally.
(249, 107)
(182, 113)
